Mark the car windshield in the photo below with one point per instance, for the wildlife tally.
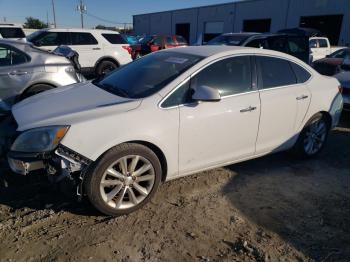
(235, 40)
(147, 75)
(343, 53)
(33, 35)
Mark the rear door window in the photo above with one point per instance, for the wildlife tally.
(115, 39)
(83, 39)
(275, 72)
(10, 56)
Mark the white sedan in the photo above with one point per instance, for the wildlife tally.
(171, 114)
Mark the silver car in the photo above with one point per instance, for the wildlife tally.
(26, 70)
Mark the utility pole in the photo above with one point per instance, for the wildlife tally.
(82, 9)
(47, 19)
(54, 13)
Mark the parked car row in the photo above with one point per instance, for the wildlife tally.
(117, 138)
(150, 44)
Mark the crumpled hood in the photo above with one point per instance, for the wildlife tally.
(66, 105)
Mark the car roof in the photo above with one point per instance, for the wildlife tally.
(212, 50)
(78, 30)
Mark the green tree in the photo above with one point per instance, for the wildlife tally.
(34, 23)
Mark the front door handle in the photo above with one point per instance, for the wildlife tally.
(96, 48)
(18, 73)
(248, 109)
(302, 97)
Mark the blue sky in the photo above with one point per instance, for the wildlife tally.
(112, 10)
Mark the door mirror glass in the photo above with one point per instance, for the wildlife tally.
(206, 93)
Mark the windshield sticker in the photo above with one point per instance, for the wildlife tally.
(176, 60)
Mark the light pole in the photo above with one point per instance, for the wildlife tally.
(82, 9)
(54, 13)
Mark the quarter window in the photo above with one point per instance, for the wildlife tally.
(114, 39)
(301, 74)
(181, 95)
(83, 39)
(229, 76)
(10, 56)
(275, 72)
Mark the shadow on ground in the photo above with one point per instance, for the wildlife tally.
(306, 202)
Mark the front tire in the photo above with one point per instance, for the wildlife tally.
(105, 67)
(313, 137)
(124, 179)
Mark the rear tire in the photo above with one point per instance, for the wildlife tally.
(105, 67)
(36, 89)
(124, 179)
(313, 137)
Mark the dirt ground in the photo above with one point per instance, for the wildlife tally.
(274, 208)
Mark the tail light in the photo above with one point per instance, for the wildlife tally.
(340, 89)
(127, 48)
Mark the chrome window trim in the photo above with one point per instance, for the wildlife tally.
(290, 61)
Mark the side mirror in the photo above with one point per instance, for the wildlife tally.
(206, 93)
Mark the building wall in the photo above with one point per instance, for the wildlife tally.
(300, 8)
(262, 9)
(219, 13)
(186, 16)
(283, 14)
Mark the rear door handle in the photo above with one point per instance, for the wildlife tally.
(302, 97)
(18, 73)
(248, 109)
(96, 48)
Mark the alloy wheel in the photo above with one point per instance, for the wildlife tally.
(315, 137)
(127, 182)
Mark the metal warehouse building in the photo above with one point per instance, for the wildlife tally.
(331, 17)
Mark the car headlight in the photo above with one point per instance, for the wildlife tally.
(41, 139)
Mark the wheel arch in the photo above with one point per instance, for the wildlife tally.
(156, 149)
(27, 89)
(159, 153)
(106, 58)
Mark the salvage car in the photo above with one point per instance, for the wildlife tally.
(333, 63)
(188, 110)
(26, 71)
(150, 44)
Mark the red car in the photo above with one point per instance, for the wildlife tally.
(149, 44)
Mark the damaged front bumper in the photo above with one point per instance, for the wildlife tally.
(59, 164)
(23, 163)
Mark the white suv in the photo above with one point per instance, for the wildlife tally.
(11, 32)
(100, 51)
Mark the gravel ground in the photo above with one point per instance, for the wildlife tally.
(269, 209)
